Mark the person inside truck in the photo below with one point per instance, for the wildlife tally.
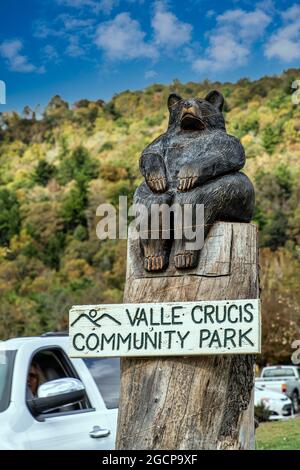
(34, 379)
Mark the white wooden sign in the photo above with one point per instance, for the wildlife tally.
(165, 329)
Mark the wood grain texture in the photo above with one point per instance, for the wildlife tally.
(214, 257)
(191, 403)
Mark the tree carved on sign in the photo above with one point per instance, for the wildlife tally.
(194, 162)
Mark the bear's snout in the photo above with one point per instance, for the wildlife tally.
(189, 110)
(190, 118)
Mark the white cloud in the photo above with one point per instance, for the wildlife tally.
(267, 6)
(122, 38)
(72, 22)
(292, 13)
(10, 51)
(244, 25)
(284, 44)
(210, 13)
(150, 74)
(75, 31)
(224, 52)
(78, 3)
(169, 31)
(62, 26)
(42, 30)
(104, 6)
(74, 49)
(231, 41)
(50, 53)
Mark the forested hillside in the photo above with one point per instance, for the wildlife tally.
(59, 164)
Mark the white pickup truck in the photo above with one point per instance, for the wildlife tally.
(284, 379)
(76, 403)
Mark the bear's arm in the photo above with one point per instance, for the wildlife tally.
(153, 169)
(218, 156)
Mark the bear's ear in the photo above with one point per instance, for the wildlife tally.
(173, 100)
(216, 99)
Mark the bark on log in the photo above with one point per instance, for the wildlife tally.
(203, 402)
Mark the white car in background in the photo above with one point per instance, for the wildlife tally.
(71, 409)
(282, 379)
(278, 404)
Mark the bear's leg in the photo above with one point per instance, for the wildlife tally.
(156, 241)
(229, 197)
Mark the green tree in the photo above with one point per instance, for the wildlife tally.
(284, 179)
(271, 137)
(74, 207)
(44, 172)
(275, 231)
(56, 105)
(10, 219)
(78, 166)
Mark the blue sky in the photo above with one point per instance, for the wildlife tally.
(95, 48)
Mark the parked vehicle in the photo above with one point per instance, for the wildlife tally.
(69, 411)
(278, 404)
(283, 379)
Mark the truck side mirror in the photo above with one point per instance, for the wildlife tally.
(56, 393)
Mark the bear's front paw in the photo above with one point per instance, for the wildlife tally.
(156, 262)
(186, 260)
(186, 178)
(157, 184)
(186, 183)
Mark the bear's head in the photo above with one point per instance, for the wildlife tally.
(196, 114)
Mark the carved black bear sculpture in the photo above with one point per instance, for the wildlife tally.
(194, 162)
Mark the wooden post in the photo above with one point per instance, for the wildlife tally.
(202, 402)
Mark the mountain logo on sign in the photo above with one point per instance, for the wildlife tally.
(92, 318)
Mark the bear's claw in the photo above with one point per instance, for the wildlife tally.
(155, 263)
(186, 260)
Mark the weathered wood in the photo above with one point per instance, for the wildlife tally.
(214, 258)
(200, 402)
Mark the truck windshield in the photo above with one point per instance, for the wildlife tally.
(106, 373)
(277, 373)
(6, 371)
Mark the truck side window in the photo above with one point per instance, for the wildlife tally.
(106, 373)
(51, 364)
